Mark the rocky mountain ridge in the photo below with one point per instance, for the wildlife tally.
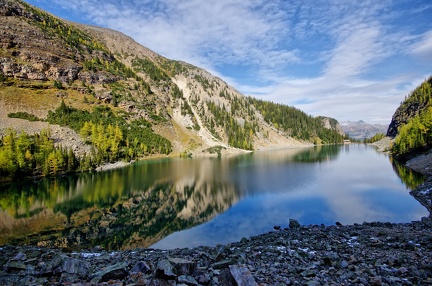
(45, 60)
(361, 130)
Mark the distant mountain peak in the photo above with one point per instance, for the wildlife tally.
(361, 130)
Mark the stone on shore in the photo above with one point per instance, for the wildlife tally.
(294, 223)
(368, 254)
(242, 275)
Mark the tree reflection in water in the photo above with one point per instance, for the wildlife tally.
(138, 205)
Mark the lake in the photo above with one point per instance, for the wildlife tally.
(186, 202)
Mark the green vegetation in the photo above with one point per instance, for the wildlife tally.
(296, 123)
(110, 65)
(239, 136)
(74, 38)
(375, 138)
(58, 84)
(421, 96)
(113, 137)
(416, 134)
(176, 92)
(25, 155)
(174, 67)
(215, 150)
(205, 83)
(148, 67)
(24, 115)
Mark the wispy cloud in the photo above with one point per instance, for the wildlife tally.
(423, 48)
(334, 56)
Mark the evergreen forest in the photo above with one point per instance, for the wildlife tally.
(416, 134)
(296, 123)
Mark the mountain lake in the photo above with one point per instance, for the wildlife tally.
(187, 202)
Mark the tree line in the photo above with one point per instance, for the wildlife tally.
(29, 155)
(295, 122)
(239, 136)
(415, 135)
(113, 137)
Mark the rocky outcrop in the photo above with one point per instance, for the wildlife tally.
(417, 102)
(402, 115)
(35, 70)
(332, 124)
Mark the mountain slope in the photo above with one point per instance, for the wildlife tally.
(415, 103)
(45, 61)
(412, 123)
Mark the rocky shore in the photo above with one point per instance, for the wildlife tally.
(375, 253)
(368, 254)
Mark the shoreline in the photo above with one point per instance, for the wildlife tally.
(368, 254)
(373, 253)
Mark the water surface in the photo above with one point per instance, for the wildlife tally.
(173, 203)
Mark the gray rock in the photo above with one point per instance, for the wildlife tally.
(344, 264)
(53, 266)
(165, 270)
(294, 223)
(183, 266)
(162, 282)
(16, 265)
(242, 275)
(204, 278)
(187, 280)
(114, 272)
(141, 266)
(75, 266)
(222, 264)
(20, 256)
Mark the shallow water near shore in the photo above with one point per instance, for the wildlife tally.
(171, 203)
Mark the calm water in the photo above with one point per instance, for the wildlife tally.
(189, 202)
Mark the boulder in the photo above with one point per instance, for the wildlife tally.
(242, 275)
(294, 223)
(165, 270)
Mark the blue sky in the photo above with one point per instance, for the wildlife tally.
(350, 60)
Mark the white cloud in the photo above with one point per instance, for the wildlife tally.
(423, 49)
(319, 53)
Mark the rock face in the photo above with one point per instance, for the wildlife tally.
(33, 54)
(402, 115)
(332, 124)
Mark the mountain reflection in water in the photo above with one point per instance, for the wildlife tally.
(188, 202)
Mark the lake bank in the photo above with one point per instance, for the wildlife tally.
(368, 254)
(373, 253)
